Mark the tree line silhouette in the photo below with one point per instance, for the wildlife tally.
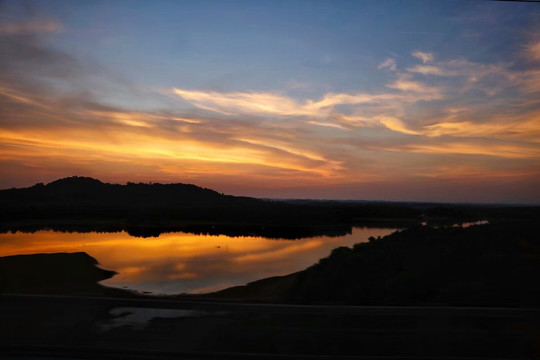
(82, 203)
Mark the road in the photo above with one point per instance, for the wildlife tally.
(35, 326)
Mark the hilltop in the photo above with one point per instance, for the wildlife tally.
(86, 204)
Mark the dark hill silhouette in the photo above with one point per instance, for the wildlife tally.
(90, 198)
(87, 190)
(86, 204)
(82, 203)
(148, 209)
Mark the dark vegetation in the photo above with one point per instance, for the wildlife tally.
(484, 265)
(61, 273)
(86, 204)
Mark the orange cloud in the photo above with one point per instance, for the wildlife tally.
(497, 150)
(533, 50)
(404, 84)
(395, 124)
(475, 173)
(530, 82)
(138, 146)
(527, 128)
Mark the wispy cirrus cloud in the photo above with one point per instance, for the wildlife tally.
(424, 56)
(394, 109)
(389, 64)
(526, 127)
(404, 91)
(468, 148)
(391, 109)
(245, 102)
(432, 70)
(405, 83)
(276, 104)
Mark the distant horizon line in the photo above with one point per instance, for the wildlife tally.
(461, 203)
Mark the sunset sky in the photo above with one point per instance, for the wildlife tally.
(375, 100)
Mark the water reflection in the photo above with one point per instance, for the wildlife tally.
(185, 263)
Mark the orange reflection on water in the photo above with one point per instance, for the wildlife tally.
(180, 262)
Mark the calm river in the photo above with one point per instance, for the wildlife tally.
(185, 263)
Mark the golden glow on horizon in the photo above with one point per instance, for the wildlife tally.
(142, 146)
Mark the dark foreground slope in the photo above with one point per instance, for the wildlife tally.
(61, 273)
(487, 265)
